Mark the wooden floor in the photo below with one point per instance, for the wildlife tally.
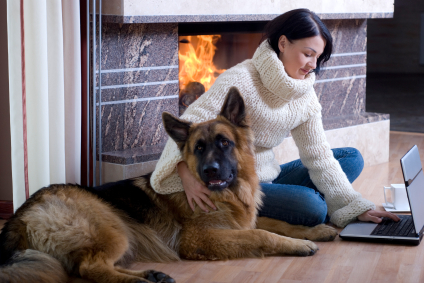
(337, 261)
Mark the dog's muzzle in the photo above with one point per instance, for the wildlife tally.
(213, 177)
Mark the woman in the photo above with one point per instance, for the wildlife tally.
(277, 86)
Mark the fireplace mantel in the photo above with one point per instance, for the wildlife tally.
(167, 11)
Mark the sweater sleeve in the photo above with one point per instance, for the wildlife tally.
(165, 179)
(343, 202)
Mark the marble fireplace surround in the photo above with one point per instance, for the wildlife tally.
(140, 78)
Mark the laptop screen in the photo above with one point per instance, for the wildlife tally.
(414, 181)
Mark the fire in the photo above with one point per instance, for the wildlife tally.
(196, 60)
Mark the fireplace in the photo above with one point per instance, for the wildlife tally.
(140, 79)
(207, 50)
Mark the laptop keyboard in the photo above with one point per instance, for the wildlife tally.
(388, 227)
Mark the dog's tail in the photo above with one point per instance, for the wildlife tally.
(30, 266)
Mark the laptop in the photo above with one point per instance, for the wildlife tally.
(410, 229)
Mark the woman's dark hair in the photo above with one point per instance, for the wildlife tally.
(298, 24)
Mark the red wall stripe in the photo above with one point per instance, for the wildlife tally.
(24, 116)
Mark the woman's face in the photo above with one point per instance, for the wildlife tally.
(300, 56)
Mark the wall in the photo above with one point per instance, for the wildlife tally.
(232, 7)
(394, 44)
(5, 157)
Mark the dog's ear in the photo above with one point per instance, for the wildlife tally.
(176, 128)
(234, 108)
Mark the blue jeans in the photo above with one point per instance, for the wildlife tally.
(292, 197)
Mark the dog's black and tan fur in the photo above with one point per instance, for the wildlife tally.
(93, 233)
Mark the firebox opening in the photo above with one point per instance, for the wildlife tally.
(206, 50)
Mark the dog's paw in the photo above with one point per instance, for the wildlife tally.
(158, 277)
(304, 248)
(322, 233)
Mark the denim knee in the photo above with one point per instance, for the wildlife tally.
(293, 204)
(351, 161)
(356, 157)
(317, 211)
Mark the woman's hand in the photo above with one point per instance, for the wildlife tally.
(194, 189)
(375, 216)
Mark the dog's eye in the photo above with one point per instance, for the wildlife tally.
(225, 143)
(199, 147)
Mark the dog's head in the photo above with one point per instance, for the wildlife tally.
(218, 151)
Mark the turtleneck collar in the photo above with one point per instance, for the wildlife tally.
(274, 77)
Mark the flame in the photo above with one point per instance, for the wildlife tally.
(196, 60)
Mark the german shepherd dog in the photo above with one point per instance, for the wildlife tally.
(93, 233)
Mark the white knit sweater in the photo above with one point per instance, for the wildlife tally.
(276, 104)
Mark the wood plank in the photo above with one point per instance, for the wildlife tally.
(275, 270)
(246, 277)
(226, 273)
(205, 273)
(364, 266)
(388, 264)
(339, 274)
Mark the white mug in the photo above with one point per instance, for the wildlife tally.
(392, 196)
(399, 200)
